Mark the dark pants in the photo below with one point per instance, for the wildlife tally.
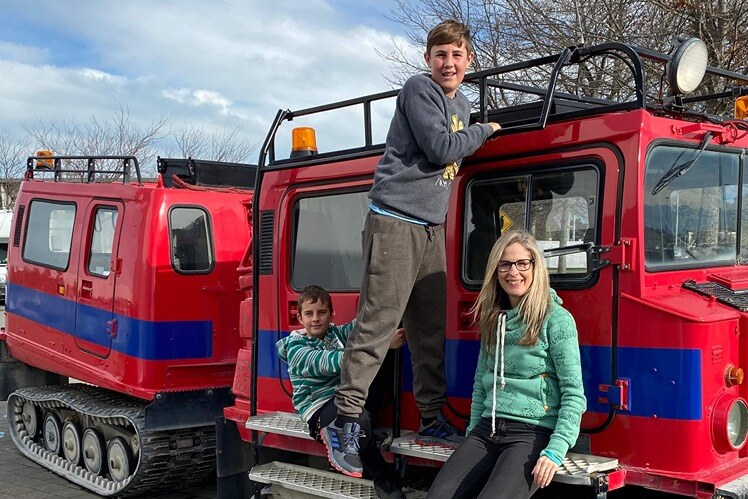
(404, 278)
(498, 467)
(371, 457)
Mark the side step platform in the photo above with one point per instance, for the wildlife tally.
(312, 482)
(600, 473)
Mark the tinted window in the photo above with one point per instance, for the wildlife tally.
(102, 239)
(49, 234)
(558, 208)
(190, 240)
(327, 245)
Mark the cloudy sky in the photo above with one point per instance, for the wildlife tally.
(212, 64)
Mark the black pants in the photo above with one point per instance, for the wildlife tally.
(498, 467)
(371, 457)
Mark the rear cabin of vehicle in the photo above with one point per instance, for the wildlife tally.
(132, 287)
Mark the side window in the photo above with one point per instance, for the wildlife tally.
(191, 244)
(559, 208)
(327, 248)
(49, 234)
(102, 239)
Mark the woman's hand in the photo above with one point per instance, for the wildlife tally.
(544, 471)
(398, 339)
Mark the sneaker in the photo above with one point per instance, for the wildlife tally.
(387, 489)
(440, 432)
(342, 448)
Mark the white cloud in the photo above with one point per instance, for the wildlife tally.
(21, 53)
(97, 76)
(219, 63)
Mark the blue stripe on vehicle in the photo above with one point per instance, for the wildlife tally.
(664, 381)
(149, 340)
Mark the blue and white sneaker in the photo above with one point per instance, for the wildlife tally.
(440, 432)
(342, 448)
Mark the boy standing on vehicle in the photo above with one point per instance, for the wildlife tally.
(313, 355)
(404, 275)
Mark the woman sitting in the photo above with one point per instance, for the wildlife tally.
(528, 397)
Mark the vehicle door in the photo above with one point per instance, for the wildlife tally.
(98, 269)
(563, 199)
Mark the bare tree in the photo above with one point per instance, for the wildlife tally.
(193, 142)
(116, 136)
(506, 31)
(13, 154)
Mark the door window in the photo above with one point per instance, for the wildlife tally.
(49, 234)
(327, 248)
(559, 208)
(102, 240)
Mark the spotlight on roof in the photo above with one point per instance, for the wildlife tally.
(687, 66)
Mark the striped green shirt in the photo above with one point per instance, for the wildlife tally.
(314, 366)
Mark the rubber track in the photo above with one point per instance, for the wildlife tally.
(167, 459)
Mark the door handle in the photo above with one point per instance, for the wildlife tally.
(86, 289)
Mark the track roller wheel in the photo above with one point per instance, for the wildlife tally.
(93, 450)
(118, 457)
(71, 441)
(53, 433)
(30, 415)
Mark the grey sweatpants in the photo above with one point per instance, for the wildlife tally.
(404, 278)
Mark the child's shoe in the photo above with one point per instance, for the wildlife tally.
(342, 448)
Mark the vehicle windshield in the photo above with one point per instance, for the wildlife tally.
(693, 220)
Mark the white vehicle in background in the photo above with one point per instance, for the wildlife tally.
(5, 220)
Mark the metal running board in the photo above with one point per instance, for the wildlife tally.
(313, 482)
(580, 469)
(407, 446)
(282, 423)
(576, 469)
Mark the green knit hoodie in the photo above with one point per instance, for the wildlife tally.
(313, 366)
(543, 383)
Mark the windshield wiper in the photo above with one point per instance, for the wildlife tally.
(678, 170)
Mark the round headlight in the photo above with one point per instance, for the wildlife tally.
(687, 66)
(730, 423)
(737, 423)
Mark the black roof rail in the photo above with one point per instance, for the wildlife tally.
(54, 164)
(554, 104)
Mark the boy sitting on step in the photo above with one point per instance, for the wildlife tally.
(313, 355)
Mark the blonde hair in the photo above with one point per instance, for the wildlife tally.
(447, 32)
(533, 306)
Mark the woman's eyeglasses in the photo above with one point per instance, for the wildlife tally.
(521, 265)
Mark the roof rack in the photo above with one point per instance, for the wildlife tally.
(206, 173)
(40, 165)
(553, 105)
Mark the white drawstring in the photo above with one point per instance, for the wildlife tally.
(500, 335)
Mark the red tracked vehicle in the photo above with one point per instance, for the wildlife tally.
(132, 287)
(639, 204)
(638, 197)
